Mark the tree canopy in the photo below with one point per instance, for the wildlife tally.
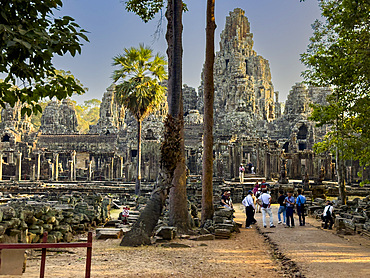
(139, 77)
(338, 56)
(30, 36)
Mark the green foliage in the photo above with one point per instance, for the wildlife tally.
(139, 78)
(338, 56)
(30, 36)
(147, 9)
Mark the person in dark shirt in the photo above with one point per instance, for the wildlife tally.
(282, 207)
(226, 200)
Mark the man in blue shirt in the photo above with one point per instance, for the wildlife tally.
(289, 201)
(301, 201)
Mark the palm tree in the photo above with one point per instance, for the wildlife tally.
(139, 89)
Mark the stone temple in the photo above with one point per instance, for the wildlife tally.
(250, 126)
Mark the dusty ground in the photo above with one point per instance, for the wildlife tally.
(318, 253)
(244, 255)
(321, 253)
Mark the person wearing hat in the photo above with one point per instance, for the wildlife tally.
(249, 209)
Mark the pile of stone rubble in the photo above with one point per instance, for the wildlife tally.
(354, 217)
(25, 220)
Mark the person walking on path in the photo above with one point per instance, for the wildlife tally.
(301, 201)
(289, 201)
(328, 215)
(249, 209)
(282, 207)
(265, 203)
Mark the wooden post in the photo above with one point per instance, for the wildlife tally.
(88, 255)
(43, 256)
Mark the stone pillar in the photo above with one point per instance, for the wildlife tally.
(70, 162)
(56, 163)
(121, 167)
(1, 166)
(267, 166)
(112, 168)
(38, 166)
(90, 171)
(73, 169)
(51, 170)
(19, 168)
(33, 172)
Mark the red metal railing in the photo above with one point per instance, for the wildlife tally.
(45, 245)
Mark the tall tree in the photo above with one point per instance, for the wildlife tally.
(30, 36)
(207, 173)
(139, 90)
(172, 167)
(338, 56)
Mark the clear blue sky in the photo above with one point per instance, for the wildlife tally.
(281, 31)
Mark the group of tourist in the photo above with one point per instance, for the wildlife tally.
(287, 205)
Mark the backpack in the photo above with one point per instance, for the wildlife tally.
(301, 199)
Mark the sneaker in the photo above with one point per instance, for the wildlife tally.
(248, 227)
(284, 223)
(292, 226)
(279, 222)
(264, 226)
(287, 227)
(272, 226)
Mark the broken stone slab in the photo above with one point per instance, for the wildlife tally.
(219, 219)
(175, 245)
(167, 233)
(222, 233)
(229, 227)
(112, 223)
(203, 237)
(227, 213)
(359, 219)
(109, 233)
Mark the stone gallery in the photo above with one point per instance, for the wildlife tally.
(251, 126)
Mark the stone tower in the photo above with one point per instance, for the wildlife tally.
(244, 94)
(59, 118)
(111, 114)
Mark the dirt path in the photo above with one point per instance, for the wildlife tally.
(320, 253)
(244, 255)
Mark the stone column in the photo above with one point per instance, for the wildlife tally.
(70, 162)
(121, 167)
(73, 166)
(19, 168)
(33, 172)
(51, 168)
(111, 168)
(38, 166)
(267, 166)
(56, 163)
(90, 170)
(1, 166)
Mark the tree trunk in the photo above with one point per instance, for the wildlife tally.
(178, 213)
(340, 174)
(207, 172)
(171, 146)
(138, 164)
